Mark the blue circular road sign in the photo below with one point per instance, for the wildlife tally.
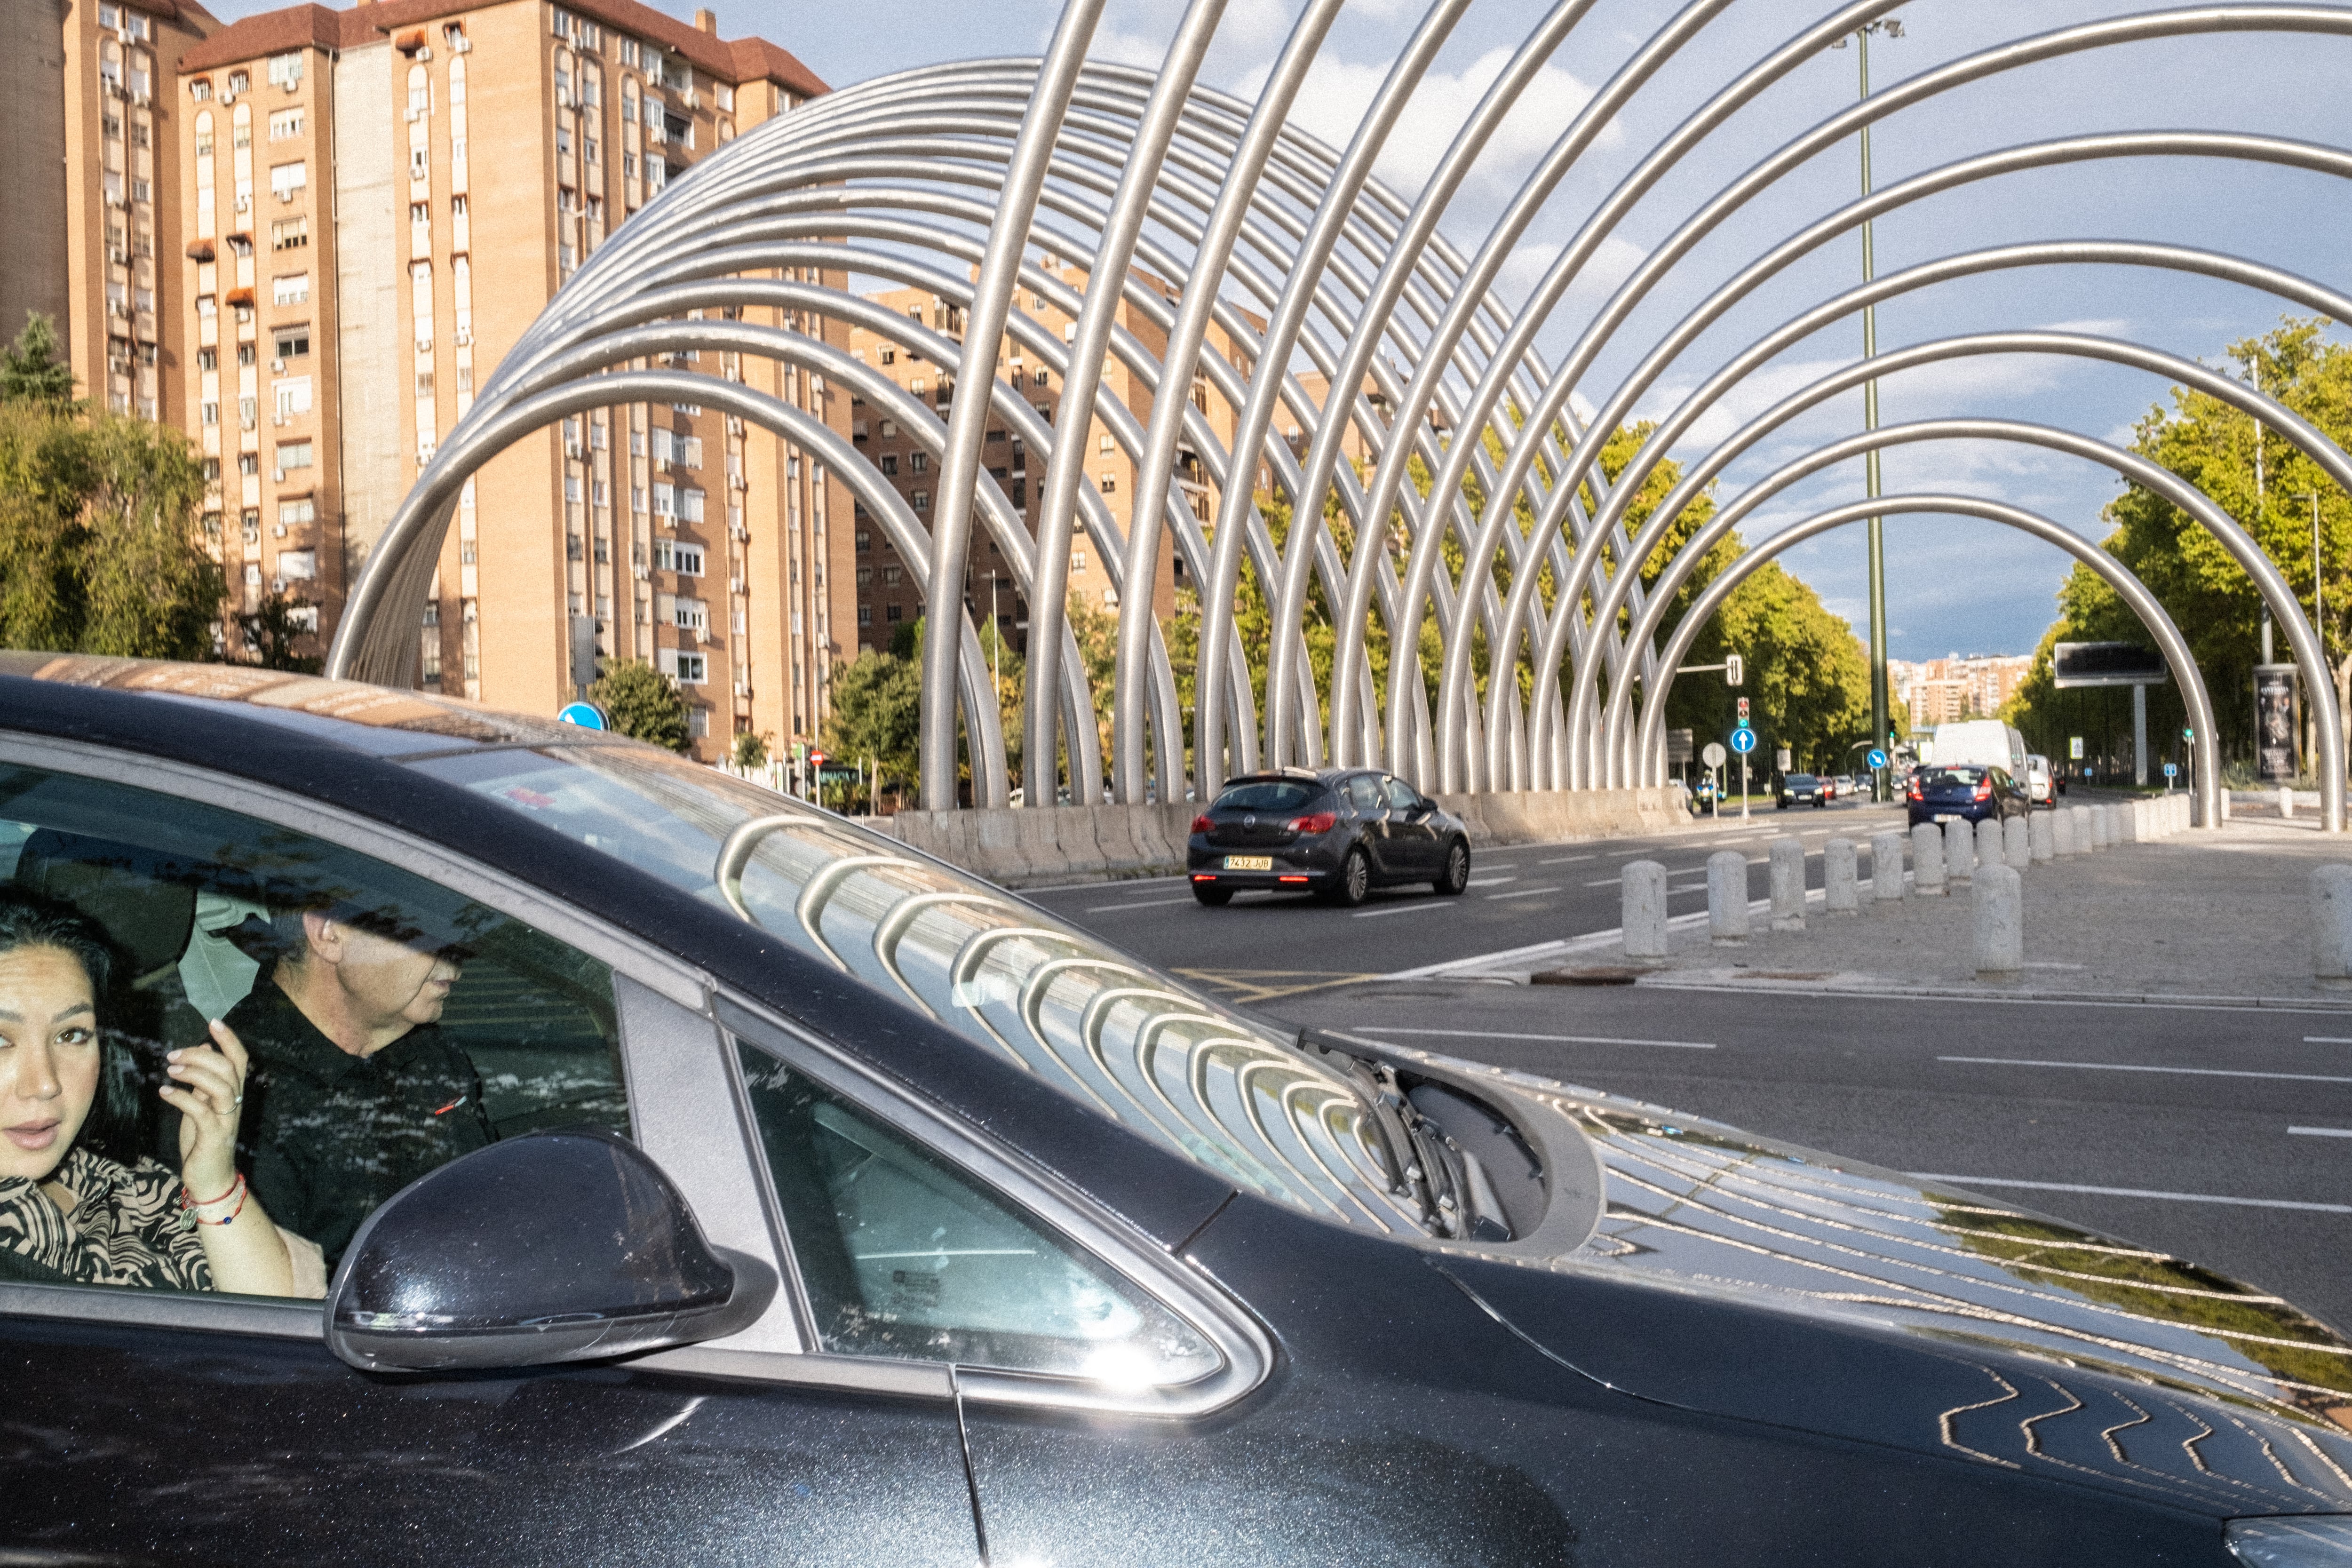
(1743, 740)
(587, 715)
(2171, 770)
(1877, 758)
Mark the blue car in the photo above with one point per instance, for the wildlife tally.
(1966, 791)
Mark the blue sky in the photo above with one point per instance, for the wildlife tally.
(1953, 585)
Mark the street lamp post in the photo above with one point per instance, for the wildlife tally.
(1879, 705)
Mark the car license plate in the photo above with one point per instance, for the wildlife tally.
(1944, 816)
(1249, 862)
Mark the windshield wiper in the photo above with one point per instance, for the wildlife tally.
(1445, 1180)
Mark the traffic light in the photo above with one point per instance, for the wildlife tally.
(2187, 731)
(1743, 712)
(1735, 673)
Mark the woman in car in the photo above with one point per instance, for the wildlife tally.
(72, 1213)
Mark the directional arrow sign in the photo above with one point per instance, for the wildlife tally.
(1743, 740)
(1878, 759)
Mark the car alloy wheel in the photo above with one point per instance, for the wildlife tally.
(1355, 879)
(1457, 875)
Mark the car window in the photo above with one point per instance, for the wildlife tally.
(1364, 794)
(1932, 777)
(1402, 797)
(901, 1255)
(1198, 1078)
(1268, 794)
(390, 1023)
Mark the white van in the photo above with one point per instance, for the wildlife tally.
(1985, 743)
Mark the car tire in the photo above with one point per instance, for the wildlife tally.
(1354, 882)
(1455, 877)
(1215, 897)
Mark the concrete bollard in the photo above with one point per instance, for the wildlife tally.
(2098, 816)
(1927, 860)
(2016, 844)
(1959, 852)
(1989, 850)
(2042, 836)
(1727, 896)
(2286, 803)
(1999, 923)
(2125, 829)
(2062, 833)
(1886, 867)
(1840, 882)
(2331, 925)
(1642, 903)
(1788, 884)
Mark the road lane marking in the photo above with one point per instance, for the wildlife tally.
(1559, 1039)
(2327, 1039)
(1266, 984)
(1488, 881)
(2320, 1132)
(1401, 909)
(2127, 1066)
(1522, 893)
(1608, 883)
(1138, 904)
(2133, 1193)
(1568, 859)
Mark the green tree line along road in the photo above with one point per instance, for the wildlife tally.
(2268, 485)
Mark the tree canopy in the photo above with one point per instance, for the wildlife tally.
(639, 701)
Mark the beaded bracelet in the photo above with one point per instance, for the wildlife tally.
(189, 1204)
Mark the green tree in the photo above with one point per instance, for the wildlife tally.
(99, 547)
(2215, 447)
(877, 708)
(640, 702)
(270, 630)
(31, 369)
(751, 750)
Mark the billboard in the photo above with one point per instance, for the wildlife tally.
(2274, 727)
(2106, 664)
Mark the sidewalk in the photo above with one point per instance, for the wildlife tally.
(2199, 916)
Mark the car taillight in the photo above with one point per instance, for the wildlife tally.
(1984, 789)
(1916, 792)
(1314, 822)
(1201, 824)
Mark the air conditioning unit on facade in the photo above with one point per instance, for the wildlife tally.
(279, 531)
(278, 419)
(278, 475)
(278, 367)
(461, 44)
(465, 337)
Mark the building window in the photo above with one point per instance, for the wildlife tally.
(293, 289)
(295, 513)
(1040, 378)
(1109, 484)
(289, 233)
(865, 615)
(692, 670)
(891, 575)
(293, 395)
(918, 461)
(889, 463)
(291, 342)
(891, 612)
(864, 539)
(672, 556)
(292, 455)
(921, 500)
(286, 70)
(287, 181)
(285, 124)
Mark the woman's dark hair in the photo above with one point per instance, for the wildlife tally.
(28, 920)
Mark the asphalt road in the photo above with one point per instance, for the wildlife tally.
(2222, 1135)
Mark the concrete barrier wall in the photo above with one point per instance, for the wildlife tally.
(1017, 848)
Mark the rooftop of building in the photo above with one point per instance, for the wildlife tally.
(327, 27)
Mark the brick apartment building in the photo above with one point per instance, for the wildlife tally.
(1946, 690)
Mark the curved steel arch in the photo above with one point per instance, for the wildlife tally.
(965, 169)
(2129, 587)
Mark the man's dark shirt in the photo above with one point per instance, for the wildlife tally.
(327, 1136)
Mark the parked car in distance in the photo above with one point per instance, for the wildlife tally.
(1829, 785)
(2040, 781)
(841, 1208)
(1339, 834)
(1804, 789)
(1968, 792)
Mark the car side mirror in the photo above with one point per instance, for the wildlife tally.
(554, 1247)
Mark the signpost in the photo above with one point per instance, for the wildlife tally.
(1743, 740)
(2171, 771)
(1713, 757)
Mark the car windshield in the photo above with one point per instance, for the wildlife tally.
(1268, 794)
(1802, 781)
(1935, 778)
(1191, 1076)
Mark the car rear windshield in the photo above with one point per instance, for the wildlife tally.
(1929, 778)
(1268, 794)
(1198, 1078)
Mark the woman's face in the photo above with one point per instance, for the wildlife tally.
(48, 1057)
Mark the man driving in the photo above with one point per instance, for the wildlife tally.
(354, 1092)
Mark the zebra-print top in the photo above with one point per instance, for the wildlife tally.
(124, 1228)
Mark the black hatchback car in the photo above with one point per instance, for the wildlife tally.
(1965, 792)
(1339, 834)
(838, 1208)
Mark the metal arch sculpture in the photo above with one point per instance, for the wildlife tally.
(1271, 254)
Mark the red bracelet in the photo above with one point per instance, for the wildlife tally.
(242, 1191)
(190, 1200)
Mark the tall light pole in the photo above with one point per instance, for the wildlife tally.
(1879, 705)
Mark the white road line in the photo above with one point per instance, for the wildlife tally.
(2320, 1132)
(1137, 904)
(1403, 908)
(1568, 859)
(1489, 881)
(1610, 883)
(2133, 1193)
(2126, 1067)
(2327, 1039)
(1559, 1039)
(1522, 893)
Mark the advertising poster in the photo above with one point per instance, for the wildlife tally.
(2274, 723)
